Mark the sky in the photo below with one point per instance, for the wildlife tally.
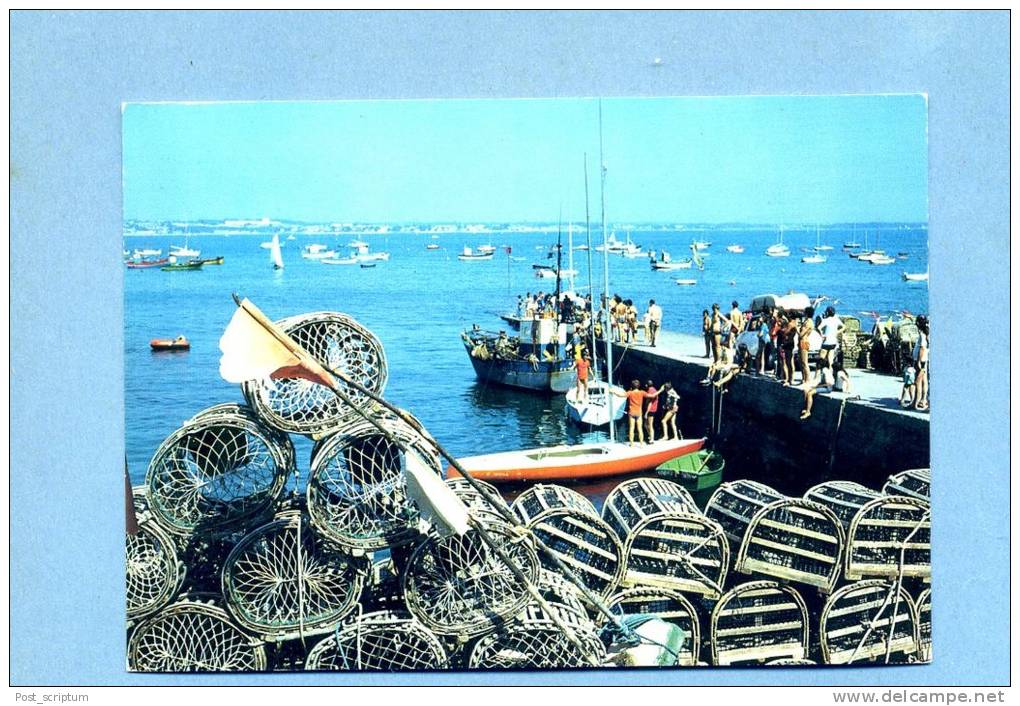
(756, 159)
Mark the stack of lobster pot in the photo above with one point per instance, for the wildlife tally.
(567, 523)
(669, 542)
(758, 622)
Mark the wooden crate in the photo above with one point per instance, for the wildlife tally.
(757, 622)
(915, 483)
(666, 604)
(845, 498)
(542, 497)
(887, 532)
(923, 605)
(794, 540)
(678, 549)
(632, 501)
(733, 505)
(857, 620)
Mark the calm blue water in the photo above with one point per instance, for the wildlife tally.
(419, 301)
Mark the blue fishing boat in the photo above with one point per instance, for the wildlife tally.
(536, 360)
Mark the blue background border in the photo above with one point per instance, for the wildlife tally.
(70, 72)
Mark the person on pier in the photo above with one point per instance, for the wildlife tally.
(736, 323)
(706, 331)
(654, 321)
(717, 324)
(635, 406)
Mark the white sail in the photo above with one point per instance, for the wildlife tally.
(274, 253)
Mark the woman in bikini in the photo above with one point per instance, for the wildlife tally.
(716, 333)
(671, 406)
(706, 332)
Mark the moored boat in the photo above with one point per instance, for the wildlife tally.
(317, 251)
(594, 460)
(735, 249)
(698, 471)
(467, 255)
(166, 344)
(915, 277)
(212, 260)
(599, 408)
(192, 266)
(145, 264)
(679, 265)
(339, 260)
(686, 282)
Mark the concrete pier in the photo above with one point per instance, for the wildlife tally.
(759, 427)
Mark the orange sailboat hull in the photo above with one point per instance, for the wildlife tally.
(597, 460)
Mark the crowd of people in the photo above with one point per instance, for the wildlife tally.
(779, 345)
(624, 320)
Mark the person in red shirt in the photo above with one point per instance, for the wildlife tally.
(651, 408)
(583, 366)
(635, 403)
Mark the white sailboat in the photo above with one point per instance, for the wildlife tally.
(274, 253)
(778, 249)
(599, 406)
(815, 259)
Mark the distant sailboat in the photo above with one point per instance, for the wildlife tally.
(275, 255)
(779, 249)
(815, 259)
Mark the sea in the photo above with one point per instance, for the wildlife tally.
(420, 301)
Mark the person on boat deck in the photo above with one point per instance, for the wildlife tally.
(717, 324)
(831, 327)
(920, 355)
(635, 399)
(736, 324)
(654, 321)
(583, 366)
(503, 345)
(670, 407)
(651, 406)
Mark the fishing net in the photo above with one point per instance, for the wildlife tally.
(193, 635)
(283, 581)
(665, 604)
(154, 571)
(757, 622)
(532, 640)
(459, 586)
(339, 343)
(357, 495)
(794, 540)
(382, 641)
(868, 621)
(217, 470)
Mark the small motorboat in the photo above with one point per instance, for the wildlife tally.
(145, 264)
(317, 251)
(212, 260)
(166, 344)
(814, 259)
(667, 266)
(367, 265)
(486, 248)
(882, 260)
(915, 277)
(686, 282)
(735, 249)
(467, 255)
(598, 409)
(192, 266)
(432, 246)
(594, 460)
(701, 470)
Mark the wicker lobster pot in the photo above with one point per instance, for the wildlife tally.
(791, 663)
(227, 410)
(194, 635)
(356, 489)
(794, 540)
(458, 586)
(845, 498)
(923, 605)
(733, 505)
(533, 641)
(154, 570)
(855, 624)
(383, 641)
(219, 470)
(539, 498)
(666, 604)
(890, 537)
(915, 483)
(488, 500)
(339, 343)
(633, 500)
(758, 622)
(680, 550)
(283, 581)
(568, 524)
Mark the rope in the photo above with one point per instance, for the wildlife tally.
(300, 587)
(898, 586)
(835, 436)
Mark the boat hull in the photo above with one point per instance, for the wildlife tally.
(597, 413)
(165, 344)
(597, 460)
(702, 470)
(543, 376)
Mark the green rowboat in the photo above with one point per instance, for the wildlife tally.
(701, 470)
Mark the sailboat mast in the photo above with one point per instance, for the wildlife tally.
(606, 329)
(591, 289)
(570, 254)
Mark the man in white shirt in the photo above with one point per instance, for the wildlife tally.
(830, 328)
(654, 321)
